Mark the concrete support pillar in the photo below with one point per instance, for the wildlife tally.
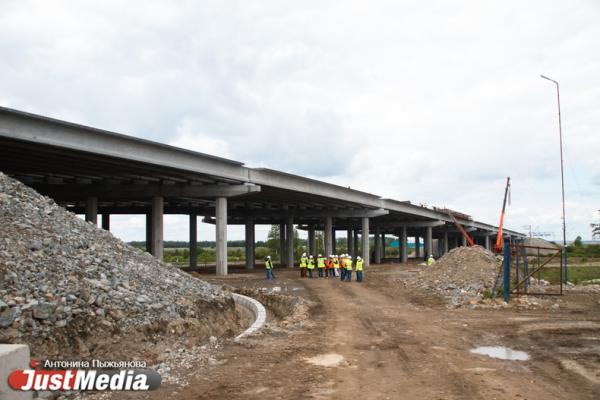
(333, 243)
(377, 244)
(428, 241)
(417, 247)
(383, 245)
(282, 245)
(366, 252)
(193, 240)
(250, 243)
(157, 227)
(312, 244)
(403, 245)
(350, 241)
(149, 232)
(355, 244)
(289, 240)
(91, 210)
(106, 221)
(445, 243)
(221, 235)
(327, 247)
(487, 242)
(464, 240)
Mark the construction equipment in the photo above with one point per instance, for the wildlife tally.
(469, 239)
(499, 245)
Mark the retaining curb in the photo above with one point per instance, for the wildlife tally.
(256, 308)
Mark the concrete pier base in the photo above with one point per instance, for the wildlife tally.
(417, 247)
(106, 221)
(403, 245)
(157, 227)
(221, 235)
(193, 240)
(377, 259)
(282, 246)
(250, 233)
(289, 240)
(366, 253)
(328, 245)
(91, 210)
(312, 244)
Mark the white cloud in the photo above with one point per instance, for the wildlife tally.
(434, 103)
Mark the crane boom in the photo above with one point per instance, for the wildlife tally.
(469, 239)
(499, 246)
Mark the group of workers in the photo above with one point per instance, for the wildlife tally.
(329, 267)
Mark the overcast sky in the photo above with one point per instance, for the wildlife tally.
(435, 103)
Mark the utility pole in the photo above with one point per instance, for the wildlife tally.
(562, 176)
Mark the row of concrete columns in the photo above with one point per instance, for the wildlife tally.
(154, 237)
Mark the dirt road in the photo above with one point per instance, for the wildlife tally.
(382, 341)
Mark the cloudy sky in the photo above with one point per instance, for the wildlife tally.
(433, 103)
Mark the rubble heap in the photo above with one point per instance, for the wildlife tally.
(68, 287)
(462, 275)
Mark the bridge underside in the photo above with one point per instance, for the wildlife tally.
(95, 173)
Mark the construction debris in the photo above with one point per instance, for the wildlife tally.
(462, 276)
(68, 287)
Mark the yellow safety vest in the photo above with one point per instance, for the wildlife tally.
(320, 262)
(311, 263)
(303, 262)
(359, 264)
(269, 264)
(336, 263)
(348, 263)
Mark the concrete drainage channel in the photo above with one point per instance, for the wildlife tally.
(256, 308)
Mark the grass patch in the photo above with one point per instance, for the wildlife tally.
(577, 274)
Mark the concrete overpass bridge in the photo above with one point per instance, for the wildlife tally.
(95, 172)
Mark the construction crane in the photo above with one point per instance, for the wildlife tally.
(499, 245)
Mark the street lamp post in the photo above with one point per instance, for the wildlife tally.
(562, 176)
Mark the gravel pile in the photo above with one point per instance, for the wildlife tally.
(462, 275)
(64, 282)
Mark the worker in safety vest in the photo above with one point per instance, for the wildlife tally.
(320, 265)
(329, 266)
(269, 267)
(430, 260)
(311, 266)
(336, 265)
(303, 265)
(359, 269)
(348, 265)
(342, 262)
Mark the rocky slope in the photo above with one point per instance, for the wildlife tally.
(68, 287)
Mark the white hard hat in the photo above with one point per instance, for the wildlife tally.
(358, 258)
(303, 254)
(269, 257)
(310, 256)
(320, 255)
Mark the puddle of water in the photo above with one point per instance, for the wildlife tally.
(503, 353)
(326, 360)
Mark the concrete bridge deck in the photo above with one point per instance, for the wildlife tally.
(97, 172)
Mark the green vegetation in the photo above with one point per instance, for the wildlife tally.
(583, 252)
(577, 274)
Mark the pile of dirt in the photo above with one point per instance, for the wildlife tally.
(70, 288)
(462, 276)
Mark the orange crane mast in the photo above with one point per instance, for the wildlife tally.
(499, 245)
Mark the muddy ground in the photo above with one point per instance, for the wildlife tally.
(379, 340)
